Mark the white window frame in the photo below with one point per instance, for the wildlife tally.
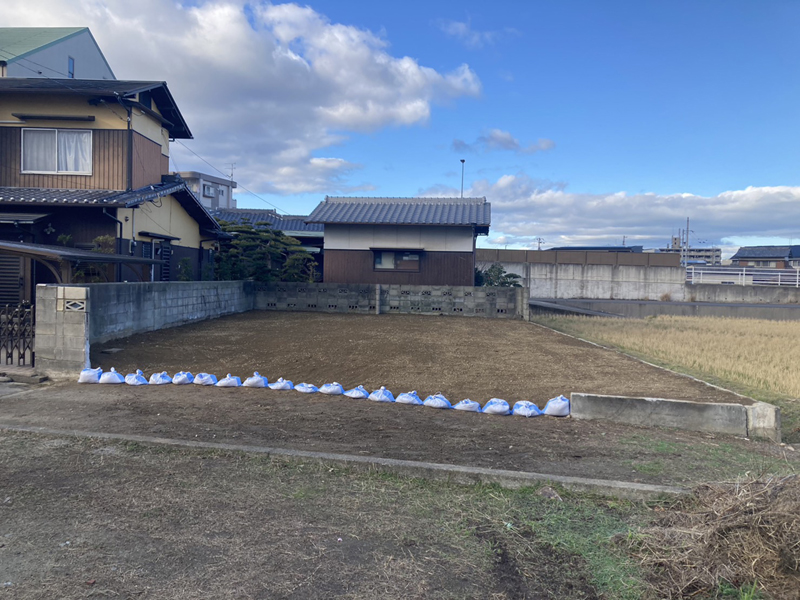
(209, 191)
(56, 172)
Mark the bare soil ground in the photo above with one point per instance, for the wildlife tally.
(87, 519)
(475, 358)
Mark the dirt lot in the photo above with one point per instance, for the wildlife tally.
(475, 358)
(88, 519)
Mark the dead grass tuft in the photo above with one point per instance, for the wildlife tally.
(737, 533)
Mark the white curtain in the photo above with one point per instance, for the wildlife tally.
(39, 150)
(74, 151)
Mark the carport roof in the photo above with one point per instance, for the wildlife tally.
(60, 253)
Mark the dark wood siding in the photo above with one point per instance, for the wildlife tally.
(148, 163)
(109, 152)
(436, 268)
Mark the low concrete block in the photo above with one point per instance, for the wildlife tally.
(680, 414)
(764, 421)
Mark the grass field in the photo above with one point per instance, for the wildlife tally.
(753, 357)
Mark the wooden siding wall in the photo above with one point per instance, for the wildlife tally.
(436, 268)
(148, 162)
(109, 152)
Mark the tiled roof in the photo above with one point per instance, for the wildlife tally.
(244, 216)
(48, 196)
(403, 211)
(110, 90)
(113, 198)
(762, 252)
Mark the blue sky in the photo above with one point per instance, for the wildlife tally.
(581, 121)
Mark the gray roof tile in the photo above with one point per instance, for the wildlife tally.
(244, 216)
(778, 252)
(403, 211)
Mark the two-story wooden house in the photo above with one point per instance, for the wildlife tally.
(82, 161)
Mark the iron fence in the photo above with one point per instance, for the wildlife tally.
(17, 334)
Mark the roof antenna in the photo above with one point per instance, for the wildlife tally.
(463, 160)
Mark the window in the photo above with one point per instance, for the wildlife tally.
(71, 67)
(208, 190)
(57, 151)
(393, 260)
(221, 192)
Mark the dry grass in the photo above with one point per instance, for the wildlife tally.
(737, 533)
(755, 357)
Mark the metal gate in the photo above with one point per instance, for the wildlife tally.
(16, 334)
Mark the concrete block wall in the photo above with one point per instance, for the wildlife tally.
(122, 309)
(62, 329)
(393, 299)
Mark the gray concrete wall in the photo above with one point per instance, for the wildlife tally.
(622, 282)
(642, 309)
(755, 294)
(393, 299)
(122, 309)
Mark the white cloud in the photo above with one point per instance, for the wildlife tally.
(472, 38)
(524, 209)
(265, 86)
(498, 139)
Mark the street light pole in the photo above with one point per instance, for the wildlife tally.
(462, 176)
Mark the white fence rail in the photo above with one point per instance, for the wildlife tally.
(743, 276)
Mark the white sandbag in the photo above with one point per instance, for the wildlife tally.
(381, 395)
(332, 389)
(409, 398)
(557, 407)
(437, 401)
(525, 408)
(90, 375)
(468, 405)
(205, 379)
(496, 406)
(229, 381)
(281, 384)
(137, 378)
(306, 388)
(256, 381)
(111, 377)
(183, 378)
(358, 392)
(160, 378)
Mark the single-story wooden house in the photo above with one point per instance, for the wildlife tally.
(413, 241)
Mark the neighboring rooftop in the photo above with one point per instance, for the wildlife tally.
(600, 248)
(251, 216)
(762, 252)
(474, 212)
(111, 91)
(116, 198)
(17, 43)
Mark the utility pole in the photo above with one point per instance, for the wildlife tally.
(539, 241)
(463, 160)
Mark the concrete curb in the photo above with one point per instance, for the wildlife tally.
(407, 468)
(762, 420)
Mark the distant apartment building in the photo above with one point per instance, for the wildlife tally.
(689, 256)
(213, 192)
(51, 52)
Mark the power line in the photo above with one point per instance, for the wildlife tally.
(226, 175)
